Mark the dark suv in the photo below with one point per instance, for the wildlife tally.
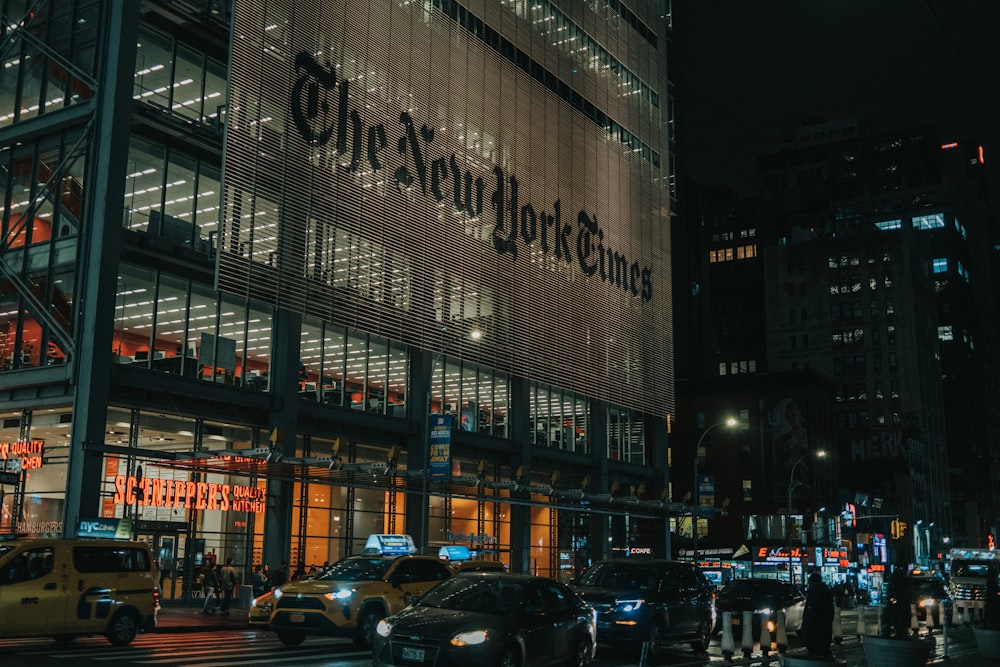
(655, 601)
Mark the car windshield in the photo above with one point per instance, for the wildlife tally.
(622, 576)
(967, 568)
(356, 569)
(750, 588)
(930, 588)
(490, 595)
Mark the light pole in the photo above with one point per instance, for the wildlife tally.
(474, 334)
(791, 485)
(728, 423)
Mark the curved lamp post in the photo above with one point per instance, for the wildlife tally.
(791, 486)
(728, 423)
(475, 335)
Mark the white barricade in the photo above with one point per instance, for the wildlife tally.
(728, 644)
(747, 640)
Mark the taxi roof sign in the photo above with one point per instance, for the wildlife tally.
(390, 545)
(454, 552)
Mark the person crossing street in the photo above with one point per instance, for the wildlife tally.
(228, 579)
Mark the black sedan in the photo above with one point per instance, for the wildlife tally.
(764, 598)
(490, 619)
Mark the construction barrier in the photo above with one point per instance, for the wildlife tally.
(747, 639)
(780, 635)
(727, 642)
(765, 637)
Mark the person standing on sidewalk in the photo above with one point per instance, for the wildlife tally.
(228, 580)
(817, 618)
(211, 588)
(258, 582)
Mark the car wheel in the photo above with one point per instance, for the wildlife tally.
(654, 639)
(704, 636)
(291, 638)
(583, 655)
(367, 622)
(124, 627)
(508, 658)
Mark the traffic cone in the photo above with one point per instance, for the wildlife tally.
(838, 631)
(728, 644)
(914, 623)
(747, 640)
(780, 636)
(930, 619)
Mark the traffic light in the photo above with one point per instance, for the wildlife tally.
(894, 529)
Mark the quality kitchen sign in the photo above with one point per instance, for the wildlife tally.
(322, 112)
(153, 492)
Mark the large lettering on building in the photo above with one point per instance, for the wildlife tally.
(154, 492)
(321, 110)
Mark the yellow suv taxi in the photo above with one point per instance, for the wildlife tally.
(66, 587)
(349, 598)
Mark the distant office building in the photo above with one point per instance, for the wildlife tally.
(865, 259)
(246, 247)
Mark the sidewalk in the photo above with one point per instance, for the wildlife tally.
(178, 616)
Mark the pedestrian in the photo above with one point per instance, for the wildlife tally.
(257, 581)
(268, 577)
(210, 586)
(228, 579)
(817, 619)
(280, 577)
(300, 572)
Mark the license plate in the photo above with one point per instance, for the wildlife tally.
(415, 654)
(297, 618)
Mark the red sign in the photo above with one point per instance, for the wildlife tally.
(153, 492)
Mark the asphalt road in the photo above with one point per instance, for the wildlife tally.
(215, 647)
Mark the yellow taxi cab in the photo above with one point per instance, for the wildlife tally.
(261, 609)
(68, 587)
(349, 598)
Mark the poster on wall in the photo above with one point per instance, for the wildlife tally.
(440, 446)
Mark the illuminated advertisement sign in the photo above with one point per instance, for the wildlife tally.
(152, 492)
(21, 455)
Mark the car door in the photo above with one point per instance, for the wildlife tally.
(32, 593)
(536, 627)
(673, 601)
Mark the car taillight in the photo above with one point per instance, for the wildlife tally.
(156, 599)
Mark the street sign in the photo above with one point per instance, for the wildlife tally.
(9, 478)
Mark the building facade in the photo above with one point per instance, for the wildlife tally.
(280, 276)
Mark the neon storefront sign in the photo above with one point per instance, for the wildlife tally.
(154, 492)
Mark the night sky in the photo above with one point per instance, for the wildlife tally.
(743, 67)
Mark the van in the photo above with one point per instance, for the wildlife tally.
(65, 587)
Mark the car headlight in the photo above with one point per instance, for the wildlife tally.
(469, 638)
(277, 593)
(766, 611)
(342, 594)
(384, 628)
(629, 605)
(927, 602)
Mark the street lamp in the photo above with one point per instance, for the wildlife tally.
(791, 486)
(728, 423)
(474, 334)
